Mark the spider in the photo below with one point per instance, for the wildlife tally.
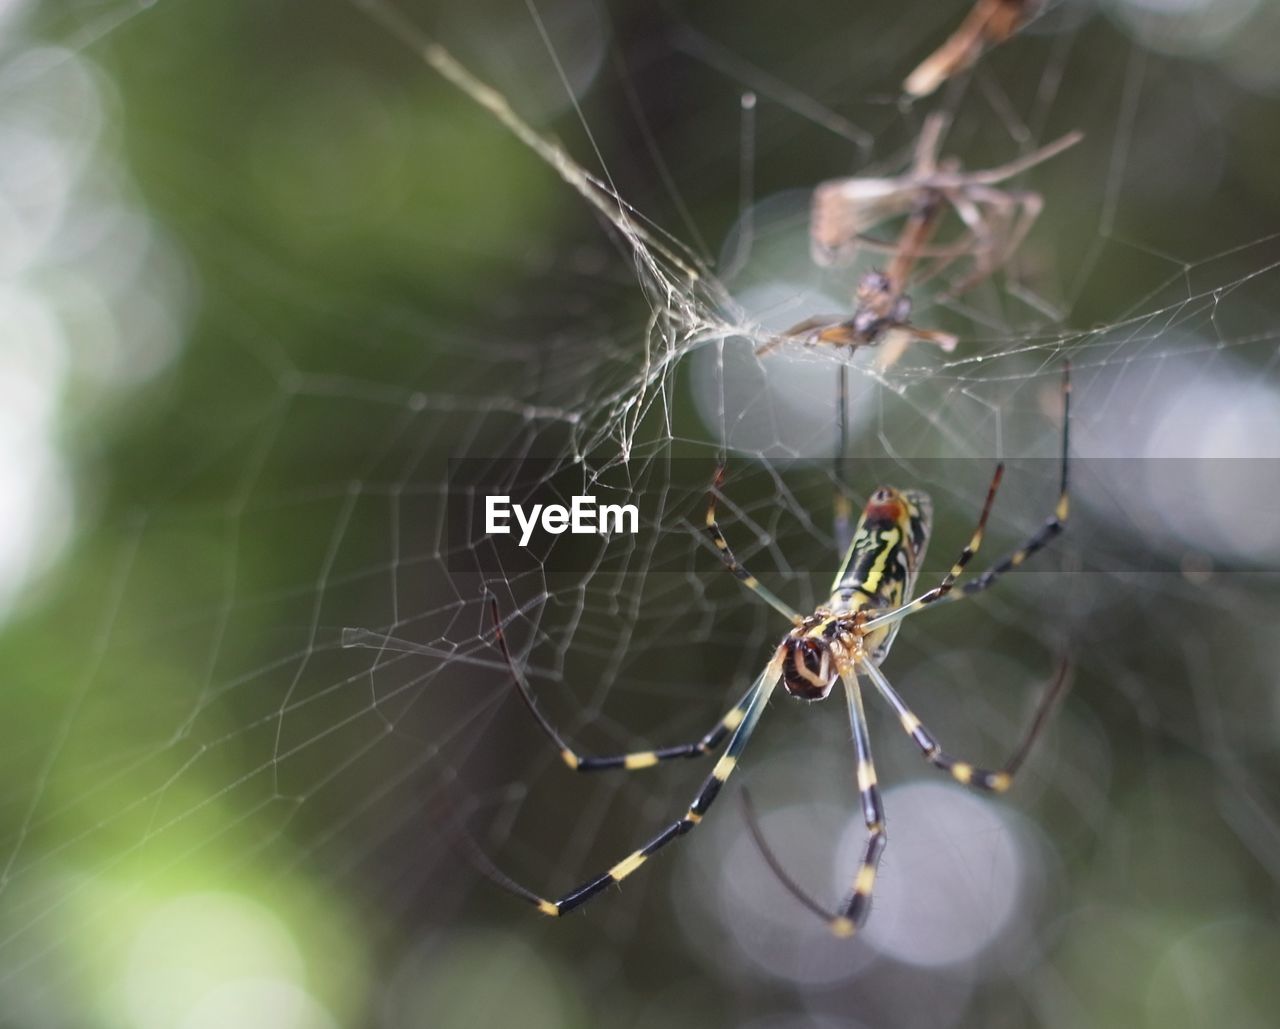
(990, 22)
(845, 640)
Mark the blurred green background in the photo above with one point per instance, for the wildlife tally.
(263, 273)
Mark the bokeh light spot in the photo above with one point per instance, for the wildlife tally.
(954, 874)
(203, 953)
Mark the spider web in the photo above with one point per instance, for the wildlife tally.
(380, 249)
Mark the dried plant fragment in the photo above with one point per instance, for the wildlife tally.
(989, 23)
(846, 211)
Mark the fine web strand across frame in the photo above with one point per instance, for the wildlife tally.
(209, 733)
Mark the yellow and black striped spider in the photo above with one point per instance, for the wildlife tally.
(847, 639)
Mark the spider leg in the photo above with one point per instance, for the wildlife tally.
(857, 905)
(706, 795)
(631, 761)
(731, 562)
(993, 781)
(1052, 527)
(852, 914)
